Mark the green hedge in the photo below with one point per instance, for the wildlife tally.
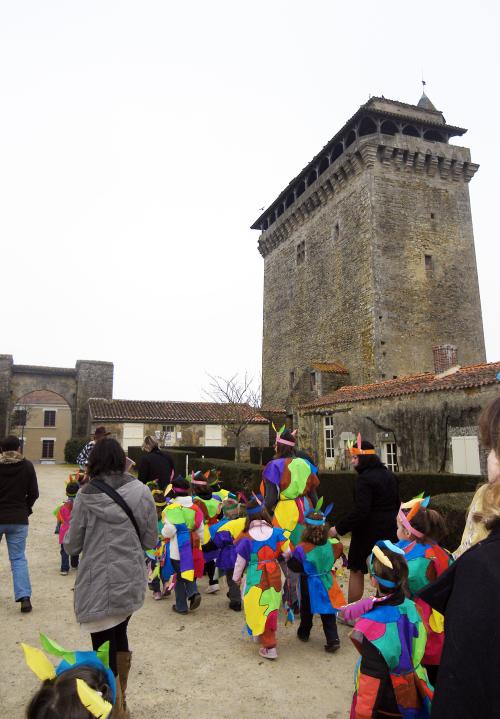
(72, 449)
(453, 507)
(337, 487)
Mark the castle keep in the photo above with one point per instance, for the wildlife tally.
(369, 257)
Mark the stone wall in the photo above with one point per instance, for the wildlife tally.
(346, 277)
(422, 425)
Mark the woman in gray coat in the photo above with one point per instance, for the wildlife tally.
(111, 581)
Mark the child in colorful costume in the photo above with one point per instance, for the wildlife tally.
(287, 479)
(320, 593)
(63, 516)
(214, 482)
(390, 636)
(258, 551)
(419, 530)
(183, 525)
(223, 537)
(81, 686)
(159, 564)
(210, 508)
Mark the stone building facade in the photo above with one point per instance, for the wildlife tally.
(369, 256)
(42, 420)
(76, 385)
(426, 422)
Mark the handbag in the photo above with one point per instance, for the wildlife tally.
(119, 500)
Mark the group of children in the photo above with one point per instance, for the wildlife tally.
(204, 529)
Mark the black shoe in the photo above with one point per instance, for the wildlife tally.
(333, 647)
(174, 609)
(194, 602)
(235, 606)
(303, 637)
(25, 605)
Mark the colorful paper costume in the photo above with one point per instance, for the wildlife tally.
(223, 535)
(210, 509)
(325, 594)
(295, 478)
(186, 520)
(262, 592)
(44, 669)
(396, 630)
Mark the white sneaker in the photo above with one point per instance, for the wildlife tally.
(268, 653)
(212, 588)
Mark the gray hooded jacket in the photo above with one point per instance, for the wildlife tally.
(112, 573)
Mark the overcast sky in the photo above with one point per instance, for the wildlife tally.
(139, 140)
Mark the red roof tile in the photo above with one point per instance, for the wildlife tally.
(471, 376)
(116, 410)
(330, 367)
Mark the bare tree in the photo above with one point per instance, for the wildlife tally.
(242, 399)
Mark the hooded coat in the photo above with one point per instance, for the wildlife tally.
(111, 576)
(18, 488)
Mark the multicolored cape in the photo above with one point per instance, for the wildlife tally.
(223, 534)
(210, 509)
(397, 631)
(295, 477)
(186, 520)
(325, 594)
(262, 593)
(426, 562)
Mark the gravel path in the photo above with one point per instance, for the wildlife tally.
(197, 665)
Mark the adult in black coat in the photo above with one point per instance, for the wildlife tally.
(376, 504)
(155, 465)
(468, 594)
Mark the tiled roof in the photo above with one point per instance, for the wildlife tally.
(116, 410)
(471, 376)
(330, 367)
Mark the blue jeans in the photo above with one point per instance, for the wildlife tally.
(184, 590)
(65, 560)
(16, 535)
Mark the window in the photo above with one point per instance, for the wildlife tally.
(301, 252)
(428, 262)
(49, 418)
(168, 428)
(390, 456)
(329, 441)
(292, 379)
(48, 449)
(312, 381)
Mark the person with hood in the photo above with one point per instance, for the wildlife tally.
(18, 494)
(113, 521)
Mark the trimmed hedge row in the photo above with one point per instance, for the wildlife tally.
(72, 449)
(453, 507)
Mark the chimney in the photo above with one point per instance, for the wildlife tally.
(445, 357)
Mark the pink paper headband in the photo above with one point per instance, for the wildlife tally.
(406, 524)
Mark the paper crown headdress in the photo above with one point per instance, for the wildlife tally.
(308, 510)
(279, 433)
(383, 559)
(199, 478)
(159, 496)
(358, 448)
(413, 506)
(43, 668)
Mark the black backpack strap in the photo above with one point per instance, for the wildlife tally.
(119, 500)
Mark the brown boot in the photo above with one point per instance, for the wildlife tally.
(123, 663)
(118, 710)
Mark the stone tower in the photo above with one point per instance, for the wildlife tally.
(369, 257)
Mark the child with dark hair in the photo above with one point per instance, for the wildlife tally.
(320, 593)
(80, 687)
(419, 531)
(63, 516)
(257, 552)
(390, 636)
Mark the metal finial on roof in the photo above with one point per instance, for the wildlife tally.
(424, 101)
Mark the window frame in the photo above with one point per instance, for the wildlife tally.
(50, 442)
(53, 414)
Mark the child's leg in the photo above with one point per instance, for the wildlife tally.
(306, 618)
(268, 638)
(330, 628)
(64, 560)
(234, 591)
(75, 558)
(210, 570)
(180, 588)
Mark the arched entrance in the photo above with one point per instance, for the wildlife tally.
(42, 419)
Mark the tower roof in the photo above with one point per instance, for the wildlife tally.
(425, 103)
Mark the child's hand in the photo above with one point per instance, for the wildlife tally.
(237, 581)
(332, 532)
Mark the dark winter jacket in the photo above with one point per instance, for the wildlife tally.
(468, 594)
(112, 574)
(376, 504)
(18, 488)
(156, 465)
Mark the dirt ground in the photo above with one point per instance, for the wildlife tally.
(199, 665)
